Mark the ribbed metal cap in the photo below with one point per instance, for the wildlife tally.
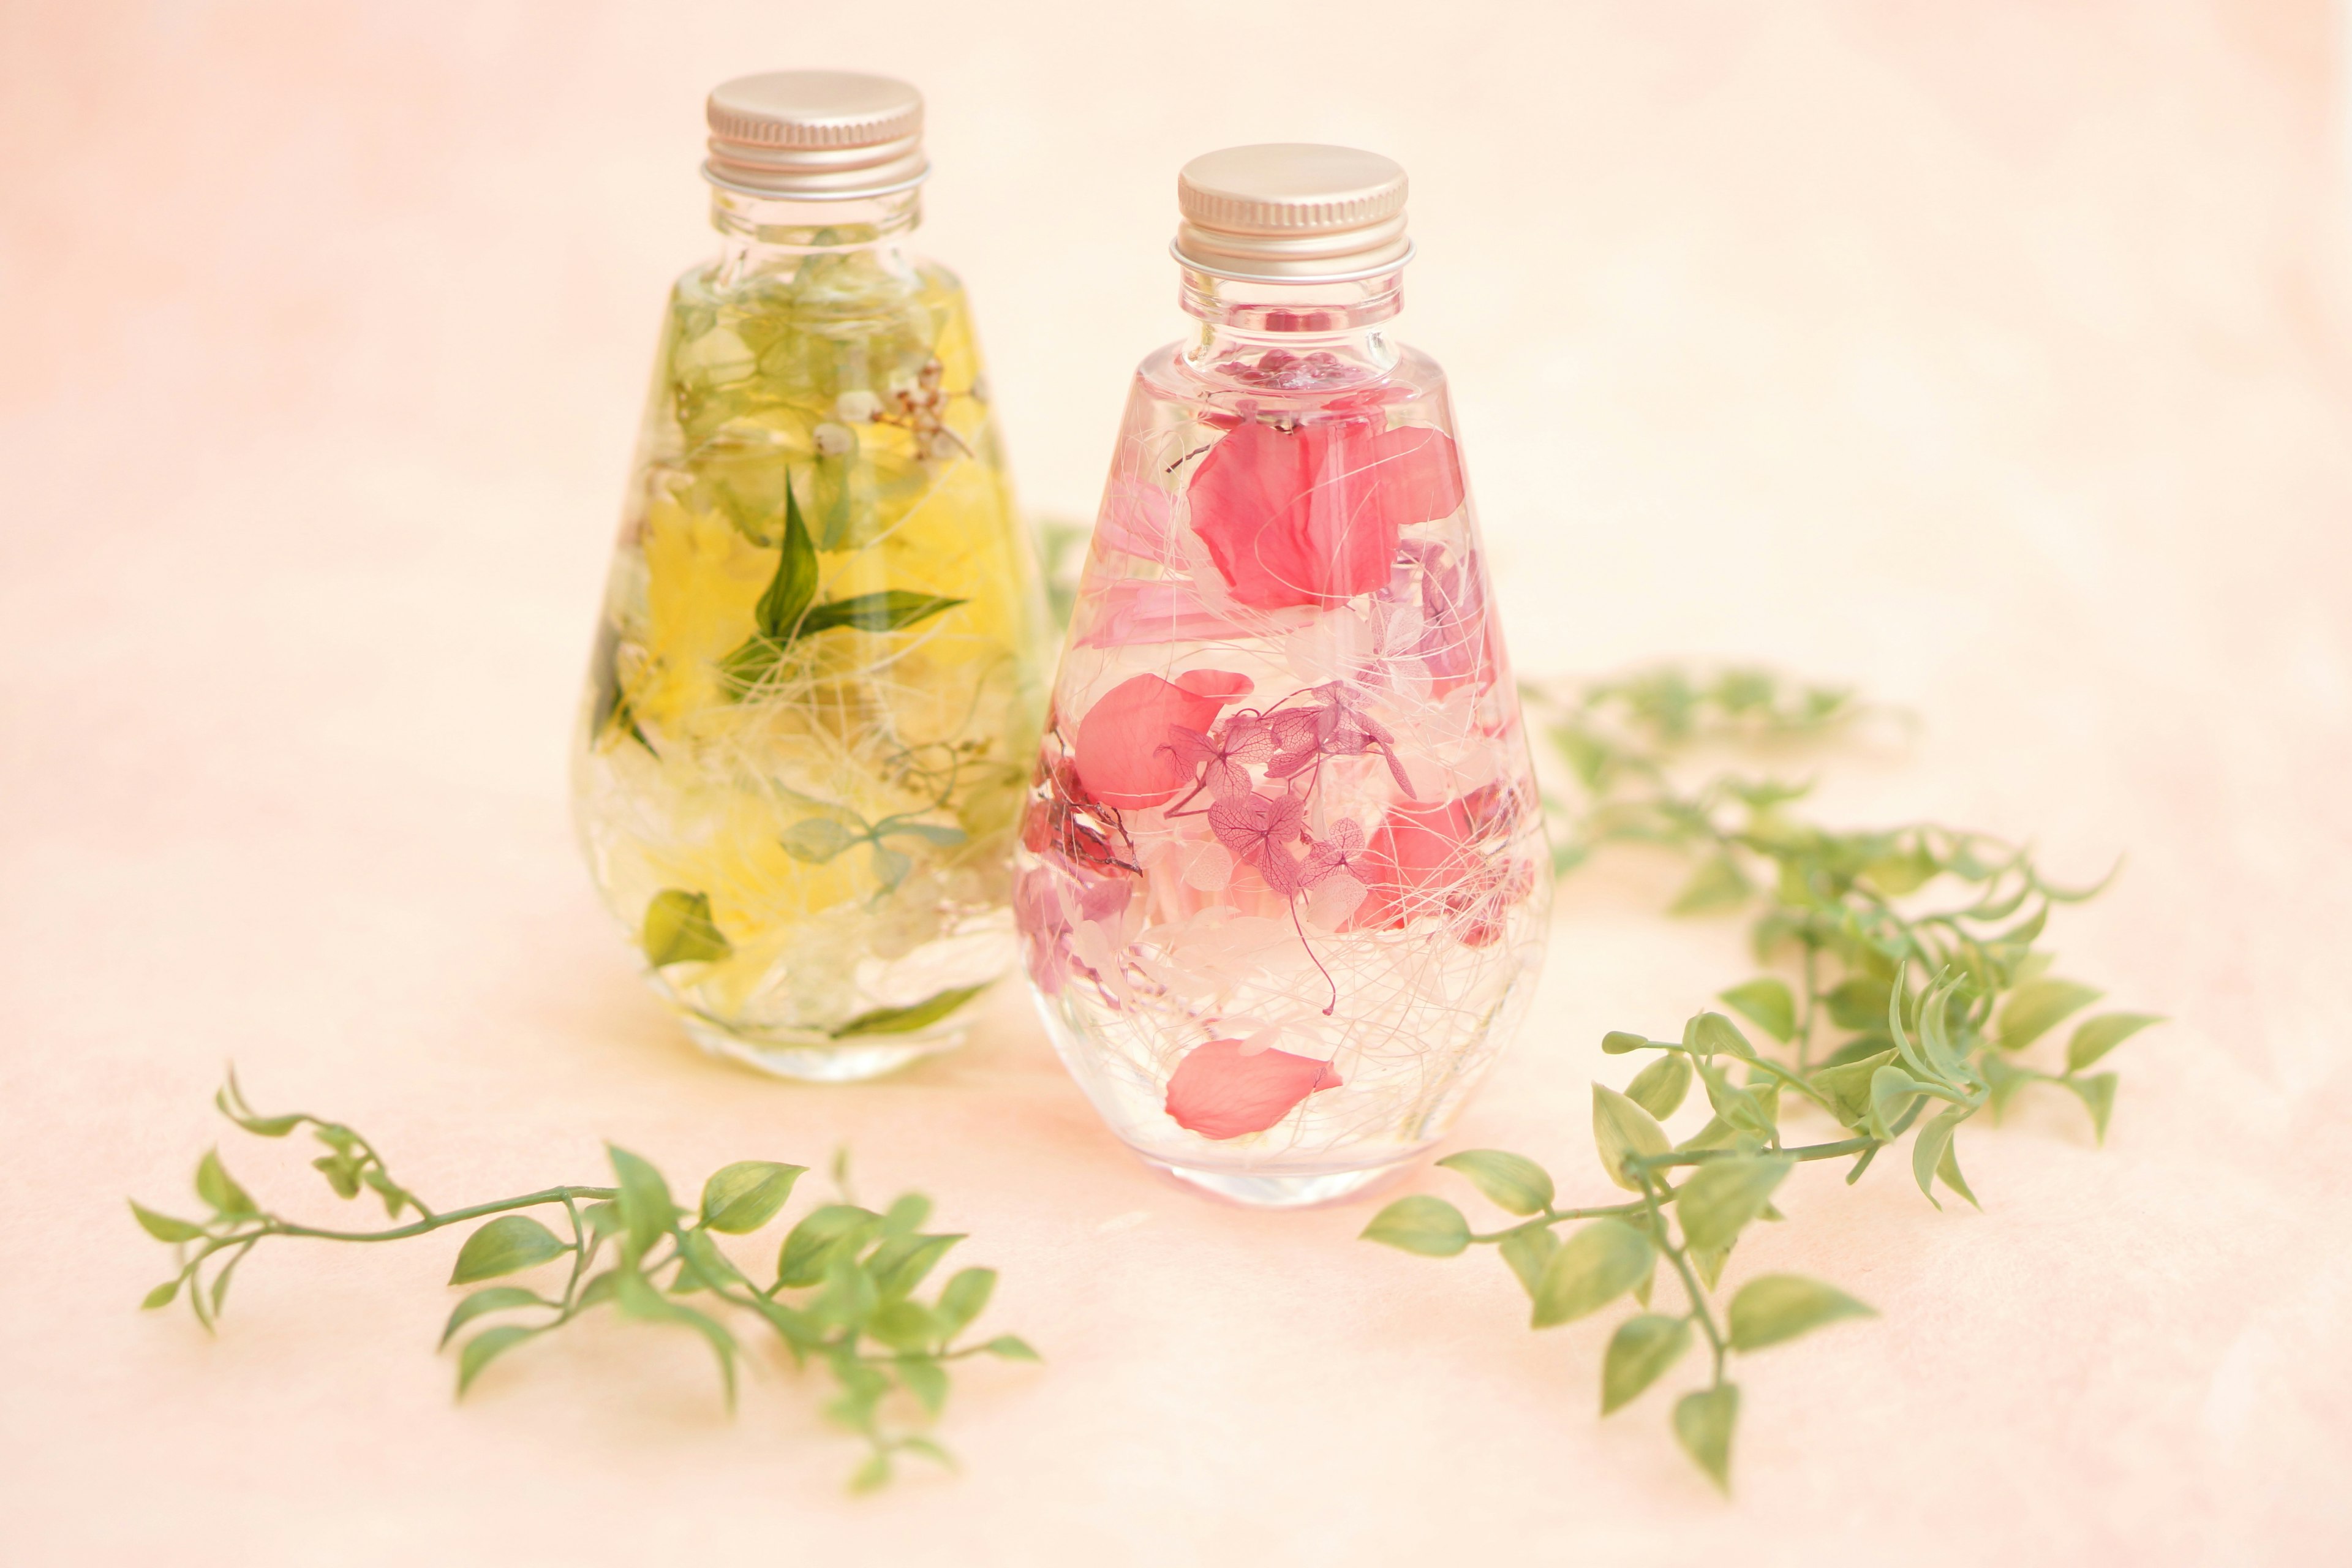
(1292, 212)
(815, 135)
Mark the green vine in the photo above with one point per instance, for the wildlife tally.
(1939, 1004)
(843, 1295)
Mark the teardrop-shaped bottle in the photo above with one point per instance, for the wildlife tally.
(814, 699)
(1283, 878)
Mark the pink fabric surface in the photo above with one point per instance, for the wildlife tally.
(1996, 356)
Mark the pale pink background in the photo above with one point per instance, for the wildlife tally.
(1992, 355)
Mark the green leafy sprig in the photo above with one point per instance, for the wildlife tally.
(1938, 1004)
(843, 1294)
(787, 612)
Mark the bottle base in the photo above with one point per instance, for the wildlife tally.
(809, 1057)
(1309, 1190)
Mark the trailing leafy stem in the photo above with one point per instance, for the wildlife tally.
(1938, 1002)
(843, 1294)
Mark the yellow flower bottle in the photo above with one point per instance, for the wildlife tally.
(815, 692)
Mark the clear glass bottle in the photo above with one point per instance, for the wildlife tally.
(1283, 879)
(813, 698)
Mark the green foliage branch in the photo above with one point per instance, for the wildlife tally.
(843, 1295)
(1938, 1004)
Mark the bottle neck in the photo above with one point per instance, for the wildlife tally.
(765, 235)
(1291, 336)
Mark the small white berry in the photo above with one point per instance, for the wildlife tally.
(855, 407)
(833, 440)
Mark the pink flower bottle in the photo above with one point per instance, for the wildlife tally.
(1283, 877)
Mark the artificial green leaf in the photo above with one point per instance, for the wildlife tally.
(864, 1387)
(787, 599)
(1858, 1002)
(872, 1475)
(818, 839)
(904, 1020)
(1617, 1042)
(704, 1267)
(1712, 1033)
(905, 1214)
(1528, 1252)
(162, 1296)
(1599, 1263)
(1640, 1351)
(497, 1299)
(678, 930)
(2094, 1038)
(1847, 1087)
(507, 1243)
(342, 1173)
(964, 1298)
(396, 1196)
(486, 1347)
(936, 833)
(905, 1326)
(1011, 1347)
(603, 1218)
(1752, 1110)
(902, 1262)
(891, 867)
(1430, 1226)
(1896, 874)
(1772, 1308)
(1722, 1196)
(1891, 1093)
(848, 1297)
(163, 1227)
(218, 1188)
(1927, 1150)
(598, 1289)
(927, 1380)
(1511, 1182)
(236, 1110)
(1948, 1171)
(1708, 1261)
(811, 1245)
(1659, 1088)
(892, 610)
(646, 1211)
(2031, 1009)
(1768, 1002)
(1621, 1130)
(2097, 1093)
(743, 1196)
(1703, 1425)
(1718, 884)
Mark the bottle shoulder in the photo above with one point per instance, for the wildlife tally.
(1266, 379)
(817, 286)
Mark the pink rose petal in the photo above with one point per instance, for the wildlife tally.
(1124, 756)
(1415, 850)
(1218, 1092)
(1311, 515)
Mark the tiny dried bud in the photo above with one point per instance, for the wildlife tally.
(833, 441)
(856, 407)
